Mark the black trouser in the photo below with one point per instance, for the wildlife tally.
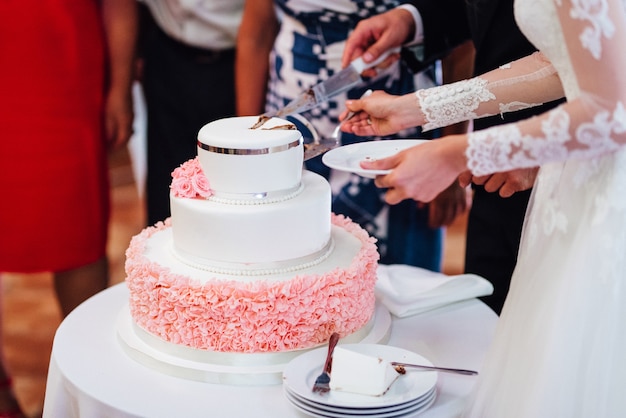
(185, 88)
(493, 236)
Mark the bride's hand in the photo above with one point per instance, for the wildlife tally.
(382, 114)
(423, 171)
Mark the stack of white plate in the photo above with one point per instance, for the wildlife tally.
(411, 394)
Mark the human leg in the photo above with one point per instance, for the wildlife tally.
(492, 243)
(410, 240)
(74, 286)
(177, 107)
(9, 407)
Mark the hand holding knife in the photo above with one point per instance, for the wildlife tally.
(338, 83)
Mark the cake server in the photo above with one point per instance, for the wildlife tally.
(320, 146)
(400, 368)
(322, 383)
(338, 83)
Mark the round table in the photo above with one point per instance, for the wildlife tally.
(90, 374)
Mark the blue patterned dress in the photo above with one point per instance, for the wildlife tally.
(307, 50)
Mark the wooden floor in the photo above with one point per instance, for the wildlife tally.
(30, 312)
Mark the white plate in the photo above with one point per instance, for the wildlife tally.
(300, 374)
(349, 157)
(394, 409)
(410, 410)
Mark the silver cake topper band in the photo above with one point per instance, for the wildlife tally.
(248, 151)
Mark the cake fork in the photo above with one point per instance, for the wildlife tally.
(349, 116)
(322, 383)
(400, 368)
(320, 146)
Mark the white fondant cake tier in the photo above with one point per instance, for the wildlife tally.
(222, 235)
(241, 162)
(158, 249)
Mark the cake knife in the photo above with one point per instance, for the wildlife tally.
(338, 83)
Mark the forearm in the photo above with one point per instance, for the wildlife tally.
(458, 65)
(120, 21)
(593, 121)
(254, 43)
(527, 82)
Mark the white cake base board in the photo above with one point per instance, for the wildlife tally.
(228, 368)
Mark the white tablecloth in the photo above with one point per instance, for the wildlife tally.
(90, 374)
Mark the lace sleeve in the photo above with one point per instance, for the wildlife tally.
(524, 83)
(593, 121)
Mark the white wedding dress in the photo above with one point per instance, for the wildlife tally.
(560, 344)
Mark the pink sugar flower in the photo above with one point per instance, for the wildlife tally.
(189, 181)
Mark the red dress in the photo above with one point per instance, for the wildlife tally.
(54, 207)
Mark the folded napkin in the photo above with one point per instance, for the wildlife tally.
(408, 290)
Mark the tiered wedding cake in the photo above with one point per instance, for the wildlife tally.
(252, 267)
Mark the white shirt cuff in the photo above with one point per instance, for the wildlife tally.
(418, 38)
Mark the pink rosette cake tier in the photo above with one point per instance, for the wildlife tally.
(246, 275)
(264, 314)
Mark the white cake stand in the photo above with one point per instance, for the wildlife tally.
(228, 368)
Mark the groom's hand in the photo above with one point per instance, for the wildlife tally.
(506, 184)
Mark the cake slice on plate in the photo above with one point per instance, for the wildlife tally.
(361, 373)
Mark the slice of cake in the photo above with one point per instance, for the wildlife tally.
(361, 373)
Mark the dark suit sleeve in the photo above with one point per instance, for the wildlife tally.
(445, 27)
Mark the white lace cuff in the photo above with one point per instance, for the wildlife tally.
(452, 103)
(505, 147)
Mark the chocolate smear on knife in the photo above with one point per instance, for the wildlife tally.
(260, 122)
(288, 127)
